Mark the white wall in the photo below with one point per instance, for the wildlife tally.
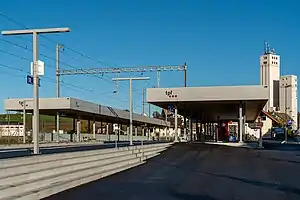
(269, 71)
(254, 132)
(288, 97)
(267, 125)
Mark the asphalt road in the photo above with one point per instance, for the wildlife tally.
(198, 171)
(21, 152)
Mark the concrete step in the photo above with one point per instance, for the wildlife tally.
(59, 187)
(48, 186)
(31, 187)
(13, 162)
(50, 164)
(62, 168)
(58, 171)
(68, 171)
(26, 165)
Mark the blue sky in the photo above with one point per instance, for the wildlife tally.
(221, 41)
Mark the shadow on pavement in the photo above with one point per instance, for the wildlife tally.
(199, 171)
(282, 147)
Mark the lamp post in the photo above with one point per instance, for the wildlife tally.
(35, 32)
(130, 99)
(58, 47)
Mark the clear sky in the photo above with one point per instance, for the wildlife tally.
(221, 41)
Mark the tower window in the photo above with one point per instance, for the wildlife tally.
(265, 62)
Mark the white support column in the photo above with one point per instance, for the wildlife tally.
(184, 126)
(166, 132)
(142, 138)
(107, 131)
(128, 135)
(244, 124)
(190, 129)
(260, 135)
(135, 131)
(176, 125)
(78, 129)
(241, 122)
(217, 131)
(94, 129)
(148, 133)
(218, 126)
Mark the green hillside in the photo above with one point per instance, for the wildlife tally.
(47, 123)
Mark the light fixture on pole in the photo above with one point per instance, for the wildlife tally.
(130, 99)
(35, 32)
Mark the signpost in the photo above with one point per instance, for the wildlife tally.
(259, 125)
(29, 80)
(40, 65)
(35, 75)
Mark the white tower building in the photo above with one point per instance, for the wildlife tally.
(269, 75)
(288, 97)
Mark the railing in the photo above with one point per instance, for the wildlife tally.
(113, 111)
(279, 119)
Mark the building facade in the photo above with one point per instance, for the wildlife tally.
(288, 97)
(269, 75)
